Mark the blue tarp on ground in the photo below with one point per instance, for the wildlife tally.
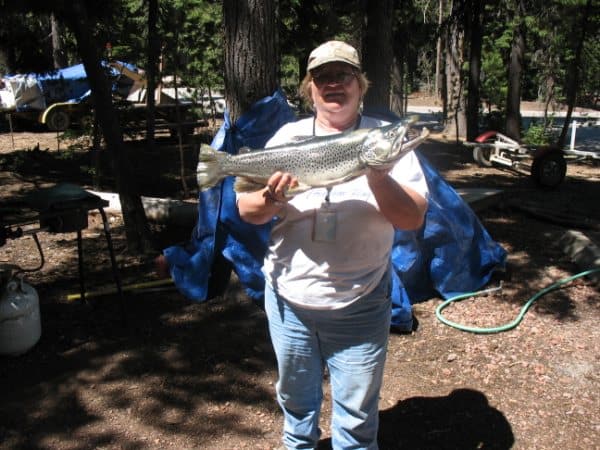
(451, 254)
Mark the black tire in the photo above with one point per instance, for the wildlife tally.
(549, 170)
(58, 120)
(481, 155)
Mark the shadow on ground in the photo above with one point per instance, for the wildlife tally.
(462, 420)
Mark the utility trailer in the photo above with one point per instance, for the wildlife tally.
(62, 99)
(49, 98)
(547, 165)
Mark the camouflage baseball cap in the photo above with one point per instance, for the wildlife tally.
(333, 51)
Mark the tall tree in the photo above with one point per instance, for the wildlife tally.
(377, 52)
(136, 225)
(251, 53)
(515, 71)
(475, 32)
(58, 53)
(152, 70)
(579, 33)
(455, 120)
(438, 54)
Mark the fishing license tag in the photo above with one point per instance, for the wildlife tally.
(325, 225)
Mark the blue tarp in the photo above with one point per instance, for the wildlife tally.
(451, 254)
(69, 84)
(65, 85)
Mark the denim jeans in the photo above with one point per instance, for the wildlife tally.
(352, 342)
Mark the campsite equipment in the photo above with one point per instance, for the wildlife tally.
(62, 98)
(62, 208)
(547, 168)
(20, 322)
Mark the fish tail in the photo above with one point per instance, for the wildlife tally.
(208, 171)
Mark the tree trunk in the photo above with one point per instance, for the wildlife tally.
(438, 57)
(58, 54)
(580, 30)
(251, 57)
(378, 53)
(136, 224)
(475, 38)
(397, 104)
(455, 120)
(152, 71)
(515, 69)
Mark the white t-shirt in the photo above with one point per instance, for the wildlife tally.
(332, 274)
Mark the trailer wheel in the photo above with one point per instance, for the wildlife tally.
(481, 155)
(549, 169)
(57, 120)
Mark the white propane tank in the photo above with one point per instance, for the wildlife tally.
(20, 323)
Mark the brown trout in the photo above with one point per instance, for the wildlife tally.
(321, 161)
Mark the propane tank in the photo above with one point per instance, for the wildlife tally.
(20, 323)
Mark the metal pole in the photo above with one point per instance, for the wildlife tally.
(573, 133)
(12, 138)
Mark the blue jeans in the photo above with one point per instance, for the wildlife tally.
(352, 342)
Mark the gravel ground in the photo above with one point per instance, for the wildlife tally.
(177, 374)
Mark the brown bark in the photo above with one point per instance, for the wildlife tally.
(515, 70)
(475, 40)
(455, 120)
(377, 53)
(58, 54)
(251, 53)
(136, 224)
(513, 101)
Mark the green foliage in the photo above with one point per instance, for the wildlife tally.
(539, 134)
(23, 43)
(192, 43)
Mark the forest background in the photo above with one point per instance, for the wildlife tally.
(480, 59)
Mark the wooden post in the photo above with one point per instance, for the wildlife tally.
(12, 138)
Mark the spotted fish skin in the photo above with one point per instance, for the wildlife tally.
(321, 161)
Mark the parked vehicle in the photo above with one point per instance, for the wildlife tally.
(62, 99)
(547, 165)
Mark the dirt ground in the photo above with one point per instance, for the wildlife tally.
(154, 371)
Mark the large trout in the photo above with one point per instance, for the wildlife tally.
(321, 161)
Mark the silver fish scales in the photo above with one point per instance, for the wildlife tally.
(322, 161)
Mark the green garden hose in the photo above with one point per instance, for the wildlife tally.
(510, 325)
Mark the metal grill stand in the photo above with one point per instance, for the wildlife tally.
(64, 208)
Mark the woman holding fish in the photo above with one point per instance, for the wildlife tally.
(327, 269)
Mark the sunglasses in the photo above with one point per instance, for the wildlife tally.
(322, 79)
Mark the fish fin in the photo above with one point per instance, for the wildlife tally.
(246, 185)
(301, 187)
(208, 171)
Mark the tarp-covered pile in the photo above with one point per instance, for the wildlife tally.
(36, 92)
(452, 253)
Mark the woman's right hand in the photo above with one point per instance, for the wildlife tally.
(261, 206)
(277, 186)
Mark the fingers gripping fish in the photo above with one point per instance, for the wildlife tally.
(321, 161)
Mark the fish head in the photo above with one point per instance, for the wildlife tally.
(383, 145)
